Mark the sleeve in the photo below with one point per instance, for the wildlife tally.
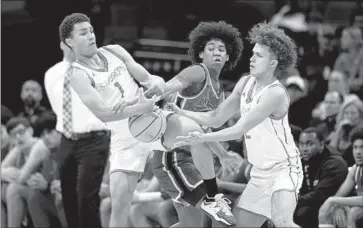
(334, 172)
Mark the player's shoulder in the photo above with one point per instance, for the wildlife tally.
(277, 90)
(112, 47)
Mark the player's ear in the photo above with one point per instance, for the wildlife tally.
(227, 58)
(201, 55)
(274, 63)
(69, 42)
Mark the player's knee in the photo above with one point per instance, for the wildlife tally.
(135, 211)
(13, 190)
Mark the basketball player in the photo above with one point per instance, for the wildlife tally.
(276, 174)
(214, 46)
(104, 78)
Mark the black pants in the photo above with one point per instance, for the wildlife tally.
(81, 166)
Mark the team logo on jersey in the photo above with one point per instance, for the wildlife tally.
(117, 72)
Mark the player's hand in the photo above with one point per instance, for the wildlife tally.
(123, 103)
(231, 162)
(326, 207)
(173, 108)
(340, 217)
(192, 137)
(146, 105)
(154, 87)
(37, 182)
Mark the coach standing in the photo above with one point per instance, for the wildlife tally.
(83, 150)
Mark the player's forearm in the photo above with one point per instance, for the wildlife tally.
(227, 134)
(171, 87)
(217, 149)
(209, 119)
(354, 201)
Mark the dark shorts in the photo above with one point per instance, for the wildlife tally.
(178, 175)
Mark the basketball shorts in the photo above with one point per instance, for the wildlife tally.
(129, 156)
(257, 196)
(178, 176)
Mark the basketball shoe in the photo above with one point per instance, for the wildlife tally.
(218, 208)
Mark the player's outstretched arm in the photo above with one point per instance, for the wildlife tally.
(273, 100)
(225, 110)
(154, 84)
(91, 98)
(184, 79)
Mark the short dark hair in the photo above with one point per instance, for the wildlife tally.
(280, 44)
(207, 31)
(355, 134)
(67, 25)
(46, 121)
(317, 131)
(16, 121)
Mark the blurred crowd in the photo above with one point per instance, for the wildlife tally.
(326, 117)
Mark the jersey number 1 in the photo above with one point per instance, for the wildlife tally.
(119, 87)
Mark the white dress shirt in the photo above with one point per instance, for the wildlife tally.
(83, 120)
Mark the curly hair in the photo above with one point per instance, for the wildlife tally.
(207, 31)
(281, 45)
(66, 27)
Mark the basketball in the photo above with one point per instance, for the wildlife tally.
(147, 127)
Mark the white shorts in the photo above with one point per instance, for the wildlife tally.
(130, 156)
(257, 197)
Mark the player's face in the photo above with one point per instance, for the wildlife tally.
(214, 53)
(31, 93)
(309, 145)
(358, 151)
(51, 138)
(21, 135)
(262, 60)
(351, 113)
(83, 40)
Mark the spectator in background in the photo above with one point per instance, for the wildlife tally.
(31, 95)
(6, 114)
(36, 185)
(337, 81)
(357, 18)
(328, 111)
(21, 133)
(350, 116)
(350, 62)
(343, 209)
(299, 111)
(324, 171)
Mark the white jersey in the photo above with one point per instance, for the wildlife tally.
(271, 141)
(113, 84)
